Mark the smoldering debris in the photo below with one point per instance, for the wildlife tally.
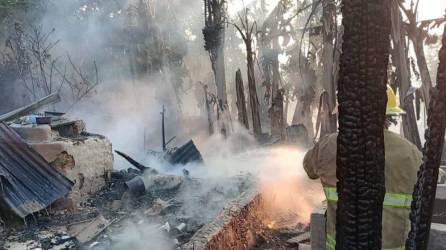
(165, 213)
(185, 154)
(165, 202)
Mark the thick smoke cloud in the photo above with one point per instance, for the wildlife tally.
(127, 111)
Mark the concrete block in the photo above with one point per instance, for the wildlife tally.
(437, 240)
(317, 227)
(439, 215)
(304, 247)
(441, 192)
(40, 133)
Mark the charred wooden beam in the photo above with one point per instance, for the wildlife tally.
(426, 186)
(136, 164)
(25, 110)
(362, 106)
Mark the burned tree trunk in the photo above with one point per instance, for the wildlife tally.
(247, 31)
(214, 37)
(417, 34)
(362, 106)
(253, 98)
(426, 79)
(401, 62)
(426, 186)
(328, 80)
(208, 110)
(241, 101)
(305, 94)
(276, 113)
(323, 116)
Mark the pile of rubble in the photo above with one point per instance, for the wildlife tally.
(166, 205)
(59, 189)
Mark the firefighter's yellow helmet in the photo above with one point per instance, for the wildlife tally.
(392, 106)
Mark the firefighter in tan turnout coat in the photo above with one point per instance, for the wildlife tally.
(402, 161)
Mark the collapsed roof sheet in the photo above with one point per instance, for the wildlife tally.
(27, 182)
(186, 154)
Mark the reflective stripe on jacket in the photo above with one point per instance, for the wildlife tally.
(390, 199)
(402, 161)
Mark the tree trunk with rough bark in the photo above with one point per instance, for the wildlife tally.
(305, 95)
(401, 62)
(253, 98)
(214, 37)
(426, 80)
(241, 101)
(276, 113)
(220, 78)
(208, 110)
(416, 31)
(362, 106)
(329, 26)
(426, 186)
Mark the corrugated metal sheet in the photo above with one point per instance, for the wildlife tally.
(28, 183)
(185, 154)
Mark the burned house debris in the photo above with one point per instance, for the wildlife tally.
(187, 153)
(82, 157)
(28, 183)
(128, 124)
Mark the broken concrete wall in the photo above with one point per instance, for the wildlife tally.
(235, 227)
(84, 159)
(85, 162)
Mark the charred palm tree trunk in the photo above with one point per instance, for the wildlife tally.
(362, 106)
(426, 186)
(214, 38)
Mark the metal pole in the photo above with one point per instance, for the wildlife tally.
(162, 128)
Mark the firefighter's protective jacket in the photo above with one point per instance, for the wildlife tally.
(402, 161)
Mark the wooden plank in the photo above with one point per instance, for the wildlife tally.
(25, 110)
